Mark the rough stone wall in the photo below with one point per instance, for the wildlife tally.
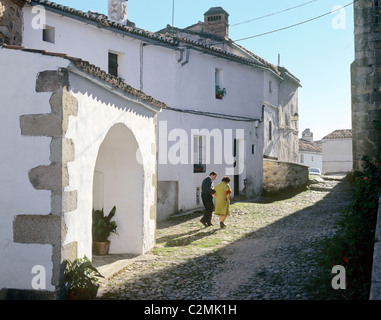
(219, 28)
(366, 80)
(11, 22)
(282, 175)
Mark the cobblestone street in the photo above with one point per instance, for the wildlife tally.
(267, 252)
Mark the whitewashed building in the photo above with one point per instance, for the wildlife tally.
(71, 135)
(184, 68)
(80, 138)
(310, 151)
(337, 152)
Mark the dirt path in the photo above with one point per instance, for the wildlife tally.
(268, 251)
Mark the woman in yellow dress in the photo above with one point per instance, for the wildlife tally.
(222, 205)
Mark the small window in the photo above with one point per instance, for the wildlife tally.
(220, 91)
(113, 64)
(253, 149)
(270, 130)
(49, 34)
(199, 154)
(270, 86)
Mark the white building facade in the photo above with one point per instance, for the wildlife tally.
(310, 151)
(337, 152)
(184, 72)
(76, 139)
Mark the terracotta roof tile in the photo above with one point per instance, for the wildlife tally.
(305, 145)
(339, 134)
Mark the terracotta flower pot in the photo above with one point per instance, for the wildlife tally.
(101, 248)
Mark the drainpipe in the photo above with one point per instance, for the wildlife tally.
(142, 45)
(187, 58)
(181, 55)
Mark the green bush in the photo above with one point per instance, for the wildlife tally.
(352, 245)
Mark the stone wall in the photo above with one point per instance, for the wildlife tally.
(366, 80)
(11, 22)
(282, 175)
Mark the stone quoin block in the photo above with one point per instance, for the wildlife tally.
(39, 229)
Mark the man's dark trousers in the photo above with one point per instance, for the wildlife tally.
(207, 200)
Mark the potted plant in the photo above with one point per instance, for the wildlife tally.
(220, 92)
(81, 279)
(101, 230)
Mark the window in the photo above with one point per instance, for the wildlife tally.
(214, 18)
(220, 91)
(270, 130)
(253, 149)
(113, 64)
(48, 34)
(199, 154)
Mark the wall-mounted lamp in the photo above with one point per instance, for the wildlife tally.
(256, 123)
(295, 117)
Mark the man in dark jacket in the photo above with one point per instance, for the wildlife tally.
(207, 198)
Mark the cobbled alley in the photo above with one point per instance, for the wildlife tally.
(268, 251)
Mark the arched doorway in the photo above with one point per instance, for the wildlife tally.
(118, 181)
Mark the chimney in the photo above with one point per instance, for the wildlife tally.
(117, 11)
(216, 22)
(308, 135)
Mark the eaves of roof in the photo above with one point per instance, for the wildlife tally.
(102, 21)
(95, 71)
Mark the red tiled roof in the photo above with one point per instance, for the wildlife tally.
(339, 134)
(305, 145)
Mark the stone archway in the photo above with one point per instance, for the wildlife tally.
(118, 180)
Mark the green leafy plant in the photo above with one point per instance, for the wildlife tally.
(102, 225)
(81, 279)
(220, 92)
(352, 245)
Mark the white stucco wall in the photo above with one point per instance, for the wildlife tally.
(129, 153)
(311, 159)
(175, 125)
(20, 154)
(337, 155)
(127, 184)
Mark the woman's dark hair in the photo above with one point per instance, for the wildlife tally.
(226, 179)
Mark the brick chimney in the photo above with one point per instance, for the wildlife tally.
(117, 11)
(216, 22)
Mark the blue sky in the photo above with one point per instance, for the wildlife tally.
(319, 52)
